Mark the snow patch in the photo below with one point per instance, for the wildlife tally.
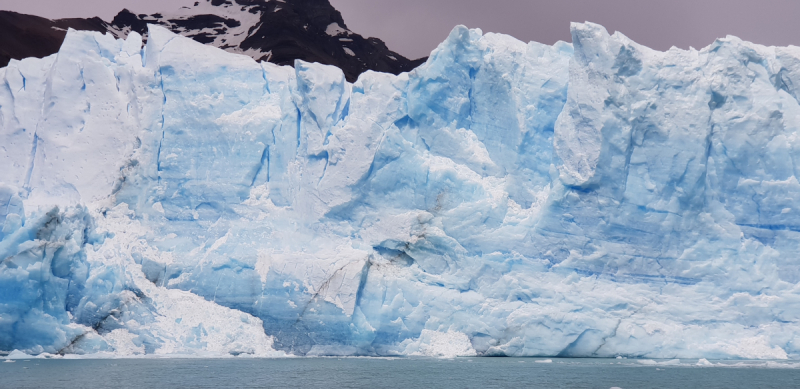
(334, 29)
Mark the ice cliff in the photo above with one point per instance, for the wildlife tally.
(597, 198)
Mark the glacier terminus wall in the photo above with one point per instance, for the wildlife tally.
(593, 199)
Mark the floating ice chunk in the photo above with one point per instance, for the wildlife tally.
(17, 354)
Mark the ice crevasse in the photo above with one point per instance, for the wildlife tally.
(597, 198)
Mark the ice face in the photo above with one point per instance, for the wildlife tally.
(589, 199)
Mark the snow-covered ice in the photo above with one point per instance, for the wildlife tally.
(597, 198)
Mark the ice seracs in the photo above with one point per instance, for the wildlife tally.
(589, 199)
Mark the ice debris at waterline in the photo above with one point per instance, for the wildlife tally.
(594, 199)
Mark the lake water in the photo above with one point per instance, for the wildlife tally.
(395, 373)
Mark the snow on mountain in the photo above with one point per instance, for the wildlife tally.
(221, 24)
(593, 199)
(266, 30)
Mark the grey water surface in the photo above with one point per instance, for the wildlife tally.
(394, 373)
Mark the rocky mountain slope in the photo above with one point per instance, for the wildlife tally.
(268, 30)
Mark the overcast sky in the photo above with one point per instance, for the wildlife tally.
(414, 27)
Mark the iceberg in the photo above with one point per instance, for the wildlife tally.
(593, 199)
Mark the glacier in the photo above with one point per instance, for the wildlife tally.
(592, 199)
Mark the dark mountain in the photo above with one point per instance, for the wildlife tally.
(268, 30)
(23, 36)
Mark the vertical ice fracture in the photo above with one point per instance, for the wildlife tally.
(597, 198)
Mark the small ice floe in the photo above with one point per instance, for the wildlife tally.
(650, 362)
(16, 354)
(704, 362)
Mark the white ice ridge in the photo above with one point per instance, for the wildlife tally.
(590, 199)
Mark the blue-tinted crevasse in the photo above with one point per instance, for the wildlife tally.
(593, 199)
